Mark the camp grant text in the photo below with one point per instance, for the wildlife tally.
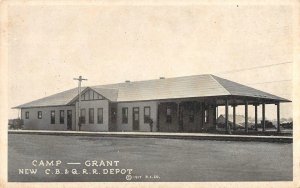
(87, 163)
(57, 167)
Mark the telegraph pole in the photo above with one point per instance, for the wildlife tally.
(80, 79)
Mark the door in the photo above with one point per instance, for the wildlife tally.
(69, 119)
(135, 118)
(113, 119)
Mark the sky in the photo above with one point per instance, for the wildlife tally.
(48, 46)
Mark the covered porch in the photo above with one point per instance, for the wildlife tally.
(200, 114)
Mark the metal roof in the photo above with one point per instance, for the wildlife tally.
(241, 90)
(58, 99)
(169, 88)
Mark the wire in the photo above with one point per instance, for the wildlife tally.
(269, 82)
(252, 68)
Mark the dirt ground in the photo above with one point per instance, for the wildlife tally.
(150, 159)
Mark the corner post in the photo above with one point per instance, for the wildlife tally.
(246, 116)
(278, 117)
(234, 117)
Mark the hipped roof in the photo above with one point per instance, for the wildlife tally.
(170, 88)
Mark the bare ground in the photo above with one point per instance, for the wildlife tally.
(160, 159)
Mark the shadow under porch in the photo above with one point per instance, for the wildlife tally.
(200, 115)
(186, 116)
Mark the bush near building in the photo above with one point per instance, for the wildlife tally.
(287, 125)
(15, 123)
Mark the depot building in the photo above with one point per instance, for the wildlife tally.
(180, 104)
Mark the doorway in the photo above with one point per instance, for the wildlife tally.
(69, 119)
(135, 118)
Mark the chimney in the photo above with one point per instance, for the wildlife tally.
(161, 78)
(127, 81)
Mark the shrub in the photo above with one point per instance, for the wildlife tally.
(15, 123)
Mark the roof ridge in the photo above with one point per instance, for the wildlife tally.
(213, 77)
(157, 79)
(265, 94)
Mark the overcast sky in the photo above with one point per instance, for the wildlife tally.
(50, 45)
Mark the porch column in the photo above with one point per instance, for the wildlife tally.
(180, 126)
(157, 116)
(226, 117)
(246, 116)
(255, 116)
(233, 117)
(215, 114)
(278, 117)
(203, 115)
(263, 117)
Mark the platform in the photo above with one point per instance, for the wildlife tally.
(193, 136)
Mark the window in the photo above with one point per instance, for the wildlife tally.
(206, 115)
(147, 114)
(169, 115)
(90, 95)
(83, 97)
(62, 116)
(87, 95)
(191, 115)
(96, 96)
(124, 115)
(136, 114)
(52, 113)
(27, 115)
(91, 115)
(39, 114)
(82, 116)
(100, 116)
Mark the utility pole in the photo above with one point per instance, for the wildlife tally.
(80, 79)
